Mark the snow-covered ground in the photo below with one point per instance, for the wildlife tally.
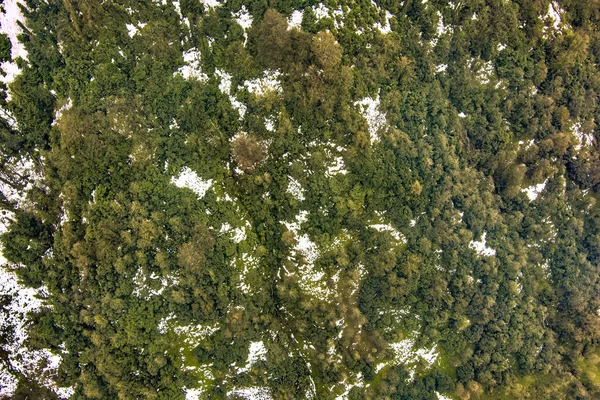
(295, 19)
(268, 83)
(312, 281)
(256, 352)
(583, 139)
(244, 19)
(407, 353)
(534, 191)
(192, 68)
(144, 284)
(225, 88)
(376, 119)
(13, 323)
(295, 189)
(189, 179)
(481, 247)
(252, 393)
(9, 26)
(555, 20)
(397, 235)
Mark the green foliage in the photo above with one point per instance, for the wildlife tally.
(155, 288)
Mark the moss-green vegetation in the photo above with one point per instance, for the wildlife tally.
(379, 173)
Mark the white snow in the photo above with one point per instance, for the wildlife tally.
(441, 28)
(295, 189)
(142, 288)
(554, 18)
(131, 29)
(441, 68)
(189, 179)
(392, 231)
(311, 281)
(554, 12)
(295, 19)
(24, 168)
(163, 324)
(483, 69)
(442, 397)
(256, 352)
(252, 393)
(225, 88)
(9, 26)
(195, 334)
(583, 139)
(270, 124)
(225, 81)
(13, 322)
(337, 167)
(534, 190)
(244, 19)
(193, 394)
(211, 3)
(246, 263)
(321, 11)
(268, 83)
(376, 119)
(406, 352)
(62, 109)
(384, 29)
(177, 8)
(481, 247)
(238, 234)
(192, 68)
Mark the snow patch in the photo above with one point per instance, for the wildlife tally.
(190, 180)
(225, 88)
(481, 247)
(406, 352)
(321, 11)
(384, 29)
(441, 68)
(295, 19)
(13, 323)
(442, 397)
(391, 230)
(194, 334)
(244, 19)
(583, 139)
(376, 119)
(132, 30)
(22, 172)
(311, 280)
(9, 25)
(256, 352)
(246, 262)
(252, 393)
(192, 68)
(295, 189)
(534, 191)
(142, 284)
(58, 114)
(239, 234)
(268, 83)
(270, 124)
(211, 3)
(483, 69)
(193, 394)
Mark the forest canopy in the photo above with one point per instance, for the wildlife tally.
(352, 199)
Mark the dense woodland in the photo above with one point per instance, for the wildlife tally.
(482, 99)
